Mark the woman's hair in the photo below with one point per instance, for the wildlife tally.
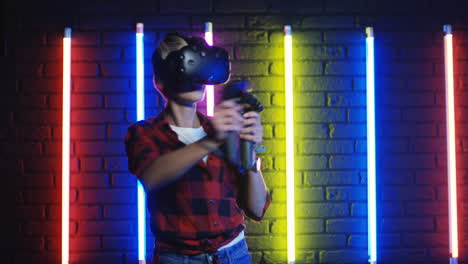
(171, 42)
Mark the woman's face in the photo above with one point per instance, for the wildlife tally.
(194, 96)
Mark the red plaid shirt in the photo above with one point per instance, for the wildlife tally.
(199, 212)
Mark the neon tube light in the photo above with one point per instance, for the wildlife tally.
(451, 154)
(288, 77)
(140, 104)
(66, 145)
(209, 88)
(371, 166)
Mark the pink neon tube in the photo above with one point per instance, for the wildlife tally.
(209, 88)
(451, 155)
(66, 145)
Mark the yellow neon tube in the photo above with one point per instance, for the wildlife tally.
(288, 77)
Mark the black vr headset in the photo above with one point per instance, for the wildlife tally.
(194, 65)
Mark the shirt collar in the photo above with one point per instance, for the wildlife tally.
(162, 123)
(171, 138)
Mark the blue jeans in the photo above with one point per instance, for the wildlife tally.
(236, 254)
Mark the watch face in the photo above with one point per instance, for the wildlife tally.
(256, 165)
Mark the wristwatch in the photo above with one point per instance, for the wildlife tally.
(254, 165)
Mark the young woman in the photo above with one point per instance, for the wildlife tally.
(197, 201)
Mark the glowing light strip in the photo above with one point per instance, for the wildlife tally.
(371, 167)
(451, 151)
(66, 145)
(288, 77)
(140, 104)
(209, 88)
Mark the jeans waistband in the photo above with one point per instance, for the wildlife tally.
(211, 258)
(228, 252)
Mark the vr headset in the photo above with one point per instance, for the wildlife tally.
(193, 65)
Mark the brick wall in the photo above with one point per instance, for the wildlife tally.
(329, 50)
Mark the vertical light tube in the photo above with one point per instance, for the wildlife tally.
(66, 104)
(371, 166)
(209, 88)
(140, 104)
(451, 151)
(288, 77)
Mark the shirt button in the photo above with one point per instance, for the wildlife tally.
(216, 223)
(206, 242)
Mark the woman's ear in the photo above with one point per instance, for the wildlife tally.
(158, 85)
(154, 82)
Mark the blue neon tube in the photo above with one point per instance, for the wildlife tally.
(140, 105)
(371, 164)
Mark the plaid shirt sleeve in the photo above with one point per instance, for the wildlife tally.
(141, 149)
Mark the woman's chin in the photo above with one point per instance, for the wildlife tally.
(190, 97)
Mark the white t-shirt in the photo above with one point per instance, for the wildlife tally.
(189, 135)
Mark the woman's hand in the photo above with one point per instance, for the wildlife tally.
(252, 128)
(226, 118)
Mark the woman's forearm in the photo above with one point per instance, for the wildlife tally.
(255, 193)
(171, 166)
